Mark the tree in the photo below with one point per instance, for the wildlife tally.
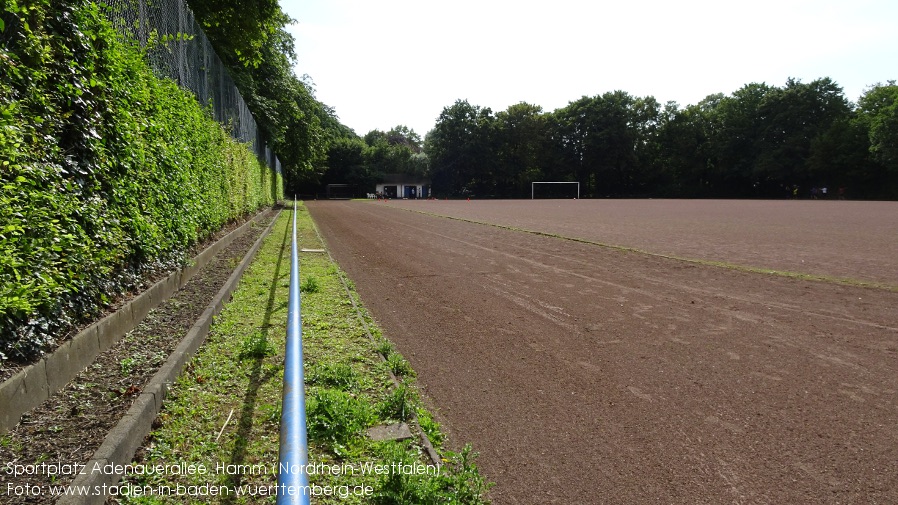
(404, 136)
(251, 40)
(609, 139)
(794, 120)
(878, 108)
(241, 29)
(683, 140)
(878, 114)
(460, 150)
(760, 141)
(347, 164)
(397, 151)
(737, 126)
(522, 143)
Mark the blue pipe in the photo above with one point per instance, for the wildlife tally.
(293, 480)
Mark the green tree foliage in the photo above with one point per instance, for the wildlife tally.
(403, 136)
(243, 29)
(461, 150)
(796, 117)
(877, 115)
(759, 141)
(523, 148)
(683, 155)
(612, 133)
(107, 171)
(397, 151)
(347, 163)
(362, 162)
(251, 39)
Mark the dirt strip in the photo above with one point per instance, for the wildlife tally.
(67, 429)
(590, 375)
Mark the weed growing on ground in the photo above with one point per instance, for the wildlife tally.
(336, 416)
(256, 345)
(127, 365)
(399, 365)
(310, 285)
(398, 404)
(459, 479)
(429, 426)
(384, 347)
(336, 375)
(8, 441)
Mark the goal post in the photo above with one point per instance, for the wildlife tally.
(340, 191)
(534, 183)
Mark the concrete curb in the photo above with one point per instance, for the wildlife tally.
(127, 436)
(36, 383)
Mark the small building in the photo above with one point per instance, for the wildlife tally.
(403, 186)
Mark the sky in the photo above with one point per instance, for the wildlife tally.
(401, 62)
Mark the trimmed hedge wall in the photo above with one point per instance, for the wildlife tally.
(107, 172)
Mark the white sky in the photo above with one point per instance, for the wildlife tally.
(391, 62)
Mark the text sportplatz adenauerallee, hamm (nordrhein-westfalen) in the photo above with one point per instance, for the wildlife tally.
(59, 469)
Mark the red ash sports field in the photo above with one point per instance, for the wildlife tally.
(588, 374)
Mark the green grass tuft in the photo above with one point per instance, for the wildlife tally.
(310, 285)
(398, 405)
(256, 346)
(336, 416)
(399, 365)
(336, 375)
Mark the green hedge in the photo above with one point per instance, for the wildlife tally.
(107, 172)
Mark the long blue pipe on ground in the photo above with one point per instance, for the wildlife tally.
(293, 481)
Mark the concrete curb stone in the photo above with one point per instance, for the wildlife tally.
(127, 436)
(35, 383)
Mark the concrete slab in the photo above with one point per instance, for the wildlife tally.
(71, 358)
(111, 329)
(21, 393)
(398, 431)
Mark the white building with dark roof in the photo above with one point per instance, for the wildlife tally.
(403, 186)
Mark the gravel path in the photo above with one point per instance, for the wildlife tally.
(591, 375)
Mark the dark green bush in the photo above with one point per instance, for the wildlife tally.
(107, 172)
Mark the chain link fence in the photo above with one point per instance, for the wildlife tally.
(178, 49)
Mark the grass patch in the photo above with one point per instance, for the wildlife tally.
(256, 345)
(384, 347)
(335, 417)
(430, 426)
(337, 375)
(239, 370)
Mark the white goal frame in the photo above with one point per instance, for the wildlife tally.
(534, 183)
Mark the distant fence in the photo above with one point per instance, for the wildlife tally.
(182, 52)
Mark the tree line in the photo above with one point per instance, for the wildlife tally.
(759, 142)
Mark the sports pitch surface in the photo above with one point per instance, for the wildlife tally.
(589, 374)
